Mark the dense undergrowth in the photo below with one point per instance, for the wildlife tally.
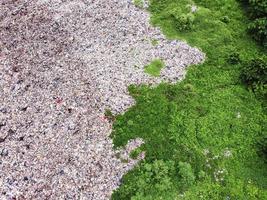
(257, 12)
(204, 136)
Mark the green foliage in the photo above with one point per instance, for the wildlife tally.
(182, 17)
(258, 29)
(234, 58)
(257, 10)
(187, 175)
(184, 21)
(139, 3)
(135, 153)
(154, 67)
(254, 74)
(225, 19)
(151, 180)
(262, 147)
(209, 125)
(255, 71)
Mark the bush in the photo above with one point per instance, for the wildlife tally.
(187, 175)
(185, 22)
(183, 18)
(152, 180)
(225, 19)
(258, 30)
(257, 10)
(262, 148)
(255, 71)
(234, 58)
(254, 74)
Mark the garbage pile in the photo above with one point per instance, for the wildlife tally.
(62, 63)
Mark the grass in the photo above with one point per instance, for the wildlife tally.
(200, 134)
(154, 67)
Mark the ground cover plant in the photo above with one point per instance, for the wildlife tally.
(205, 137)
(154, 67)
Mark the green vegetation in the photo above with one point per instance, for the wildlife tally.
(154, 67)
(254, 75)
(205, 137)
(182, 17)
(139, 3)
(257, 10)
(135, 153)
(262, 148)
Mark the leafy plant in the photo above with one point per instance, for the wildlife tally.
(187, 175)
(254, 74)
(153, 180)
(262, 147)
(258, 29)
(185, 22)
(234, 58)
(225, 19)
(183, 18)
(135, 153)
(257, 10)
(154, 67)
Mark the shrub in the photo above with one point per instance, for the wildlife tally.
(182, 21)
(182, 18)
(258, 30)
(255, 71)
(185, 22)
(254, 74)
(262, 148)
(152, 180)
(187, 175)
(225, 19)
(257, 10)
(233, 58)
